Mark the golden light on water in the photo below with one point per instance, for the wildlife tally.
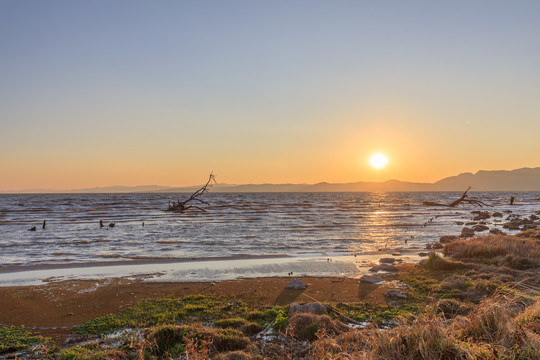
(378, 161)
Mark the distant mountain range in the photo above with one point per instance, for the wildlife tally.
(525, 179)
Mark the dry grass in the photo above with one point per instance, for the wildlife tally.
(307, 326)
(497, 328)
(171, 340)
(502, 250)
(437, 263)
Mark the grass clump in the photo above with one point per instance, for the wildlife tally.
(172, 340)
(15, 338)
(245, 326)
(437, 263)
(306, 326)
(503, 250)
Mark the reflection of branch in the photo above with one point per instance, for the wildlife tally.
(181, 206)
(463, 199)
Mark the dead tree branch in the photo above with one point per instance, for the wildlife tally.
(183, 206)
(463, 199)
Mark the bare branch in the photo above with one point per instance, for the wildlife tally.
(463, 199)
(181, 206)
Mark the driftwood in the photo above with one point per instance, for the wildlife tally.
(463, 199)
(183, 206)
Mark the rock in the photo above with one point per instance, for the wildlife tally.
(437, 246)
(387, 260)
(423, 254)
(447, 239)
(396, 254)
(396, 294)
(428, 246)
(383, 267)
(467, 232)
(459, 222)
(497, 232)
(371, 279)
(32, 229)
(512, 225)
(479, 228)
(470, 223)
(497, 214)
(481, 215)
(528, 227)
(534, 217)
(296, 284)
(310, 308)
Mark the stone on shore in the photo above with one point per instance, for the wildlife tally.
(479, 228)
(310, 308)
(447, 239)
(497, 232)
(396, 294)
(296, 284)
(384, 267)
(371, 279)
(481, 215)
(437, 246)
(387, 260)
(467, 232)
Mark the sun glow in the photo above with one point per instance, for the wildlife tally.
(378, 161)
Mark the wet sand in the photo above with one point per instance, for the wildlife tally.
(200, 270)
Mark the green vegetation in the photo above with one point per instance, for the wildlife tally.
(90, 351)
(16, 338)
(163, 311)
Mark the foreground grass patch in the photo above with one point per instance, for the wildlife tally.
(162, 311)
(16, 338)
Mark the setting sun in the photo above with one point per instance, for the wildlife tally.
(378, 161)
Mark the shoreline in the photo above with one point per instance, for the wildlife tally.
(202, 269)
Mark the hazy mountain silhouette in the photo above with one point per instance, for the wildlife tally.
(525, 179)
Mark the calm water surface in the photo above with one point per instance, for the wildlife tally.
(253, 224)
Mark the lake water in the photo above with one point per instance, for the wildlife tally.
(250, 224)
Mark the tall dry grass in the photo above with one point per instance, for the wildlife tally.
(496, 329)
(503, 250)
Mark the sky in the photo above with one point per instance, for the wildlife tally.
(101, 93)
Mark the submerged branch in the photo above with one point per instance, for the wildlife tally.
(182, 206)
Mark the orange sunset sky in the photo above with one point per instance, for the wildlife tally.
(100, 93)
